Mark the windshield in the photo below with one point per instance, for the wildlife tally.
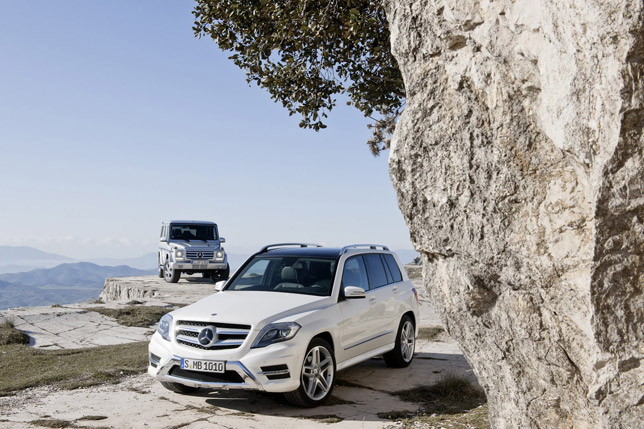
(189, 232)
(291, 274)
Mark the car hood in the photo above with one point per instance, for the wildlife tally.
(250, 307)
(195, 245)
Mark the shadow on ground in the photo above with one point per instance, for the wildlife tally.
(369, 391)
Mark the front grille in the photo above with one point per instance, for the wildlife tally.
(209, 377)
(229, 335)
(195, 254)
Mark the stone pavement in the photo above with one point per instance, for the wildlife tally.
(71, 327)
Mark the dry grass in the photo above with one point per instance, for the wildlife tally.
(53, 423)
(10, 335)
(134, 315)
(324, 418)
(471, 419)
(431, 333)
(22, 367)
(452, 402)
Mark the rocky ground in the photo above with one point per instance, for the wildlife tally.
(365, 395)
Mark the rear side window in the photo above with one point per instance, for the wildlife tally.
(354, 273)
(393, 268)
(377, 274)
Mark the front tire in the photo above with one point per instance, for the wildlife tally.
(179, 388)
(169, 274)
(403, 352)
(221, 274)
(317, 378)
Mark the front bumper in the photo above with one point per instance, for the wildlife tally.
(194, 265)
(246, 368)
(248, 380)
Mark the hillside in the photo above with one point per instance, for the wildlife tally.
(63, 284)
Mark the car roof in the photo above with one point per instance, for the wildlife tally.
(323, 252)
(200, 222)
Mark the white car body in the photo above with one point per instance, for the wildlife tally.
(357, 329)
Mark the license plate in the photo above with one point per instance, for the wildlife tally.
(203, 365)
(200, 264)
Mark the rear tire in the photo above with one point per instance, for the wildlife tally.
(317, 378)
(169, 274)
(206, 274)
(403, 352)
(179, 388)
(160, 273)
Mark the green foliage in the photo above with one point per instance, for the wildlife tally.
(306, 52)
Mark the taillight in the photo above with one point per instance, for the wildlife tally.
(415, 293)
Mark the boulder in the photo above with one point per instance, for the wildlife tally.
(519, 168)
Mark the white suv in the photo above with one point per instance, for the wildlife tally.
(191, 246)
(287, 320)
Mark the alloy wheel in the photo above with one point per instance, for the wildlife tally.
(317, 373)
(168, 272)
(407, 341)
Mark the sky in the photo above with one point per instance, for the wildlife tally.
(114, 118)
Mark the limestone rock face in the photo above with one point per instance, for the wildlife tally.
(519, 168)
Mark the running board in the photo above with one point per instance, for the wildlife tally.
(365, 356)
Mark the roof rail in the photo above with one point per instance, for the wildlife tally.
(270, 246)
(370, 246)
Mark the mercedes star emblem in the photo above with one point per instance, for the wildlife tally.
(200, 255)
(207, 336)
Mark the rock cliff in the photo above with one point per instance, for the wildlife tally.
(519, 168)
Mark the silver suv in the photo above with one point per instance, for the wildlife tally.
(191, 246)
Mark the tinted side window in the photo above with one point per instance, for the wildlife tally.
(393, 268)
(354, 273)
(377, 275)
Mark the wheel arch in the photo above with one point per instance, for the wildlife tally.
(326, 336)
(412, 317)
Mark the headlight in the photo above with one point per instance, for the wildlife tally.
(219, 254)
(276, 333)
(178, 253)
(164, 327)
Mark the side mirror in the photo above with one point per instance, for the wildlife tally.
(220, 285)
(222, 240)
(163, 239)
(354, 292)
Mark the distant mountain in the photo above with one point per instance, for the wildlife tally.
(62, 284)
(13, 295)
(76, 274)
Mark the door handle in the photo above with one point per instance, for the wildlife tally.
(395, 288)
(372, 300)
